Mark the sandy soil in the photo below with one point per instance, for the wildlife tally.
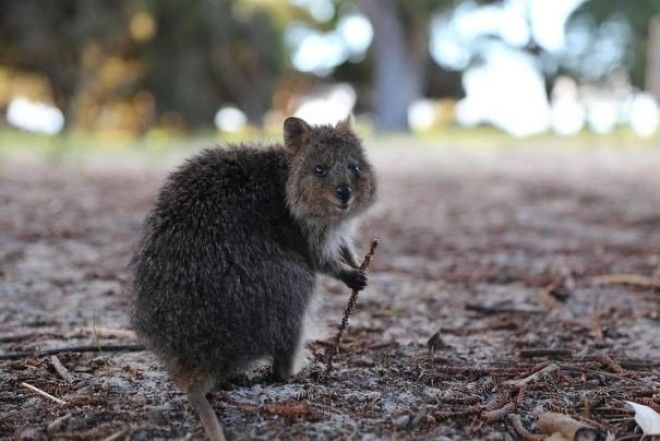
(493, 251)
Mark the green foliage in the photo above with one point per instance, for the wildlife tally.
(637, 13)
(133, 64)
(192, 56)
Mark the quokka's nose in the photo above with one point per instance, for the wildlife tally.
(344, 192)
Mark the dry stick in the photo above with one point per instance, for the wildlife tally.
(106, 332)
(595, 322)
(57, 423)
(532, 353)
(16, 337)
(88, 348)
(61, 370)
(613, 365)
(493, 310)
(100, 332)
(117, 434)
(497, 414)
(517, 424)
(44, 394)
(349, 308)
(535, 376)
(625, 279)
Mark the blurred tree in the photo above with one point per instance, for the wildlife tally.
(53, 37)
(191, 56)
(401, 54)
(166, 59)
(636, 16)
(211, 52)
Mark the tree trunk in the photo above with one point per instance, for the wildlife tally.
(399, 66)
(653, 59)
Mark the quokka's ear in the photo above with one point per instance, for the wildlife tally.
(296, 133)
(345, 124)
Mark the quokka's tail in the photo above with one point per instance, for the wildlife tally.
(206, 413)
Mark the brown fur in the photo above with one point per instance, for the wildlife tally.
(228, 258)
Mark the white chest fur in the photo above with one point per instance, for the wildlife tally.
(338, 236)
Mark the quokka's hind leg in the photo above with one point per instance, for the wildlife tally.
(283, 362)
(286, 358)
(196, 386)
(290, 357)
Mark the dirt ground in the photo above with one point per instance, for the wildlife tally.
(491, 254)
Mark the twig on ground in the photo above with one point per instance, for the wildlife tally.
(117, 434)
(625, 279)
(85, 348)
(43, 393)
(492, 310)
(535, 376)
(498, 323)
(595, 321)
(57, 423)
(631, 364)
(16, 337)
(100, 332)
(349, 308)
(61, 370)
(106, 332)
(497, 414)
(590, 370)
(517, 424)
(613, 365)
(533, 353)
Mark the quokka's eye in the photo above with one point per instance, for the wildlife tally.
(355, 167)
(319, 170)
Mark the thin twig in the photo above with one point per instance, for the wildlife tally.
(595, 321)
(117, 434)
(532, 353)
(494, 310)
(57, 423)
(517, 424)
(87, 348)
(535, 376)
(16, 337)
(497, 414)
(349, 308)
(61, 370)
(613, 365)
(43, 393)
(625, 279)
(106, 332)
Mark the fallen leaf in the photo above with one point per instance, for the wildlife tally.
(646, 418)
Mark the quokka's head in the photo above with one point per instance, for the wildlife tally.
(330, 178)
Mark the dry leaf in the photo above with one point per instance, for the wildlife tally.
(646, 418)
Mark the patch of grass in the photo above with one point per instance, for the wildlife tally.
(161, 145)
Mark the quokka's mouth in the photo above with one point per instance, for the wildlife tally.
(341, 206)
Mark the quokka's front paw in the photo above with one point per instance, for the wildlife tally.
(355, 279)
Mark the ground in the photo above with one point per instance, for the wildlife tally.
(490, 254)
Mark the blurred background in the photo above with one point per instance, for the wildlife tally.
(121, 71)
